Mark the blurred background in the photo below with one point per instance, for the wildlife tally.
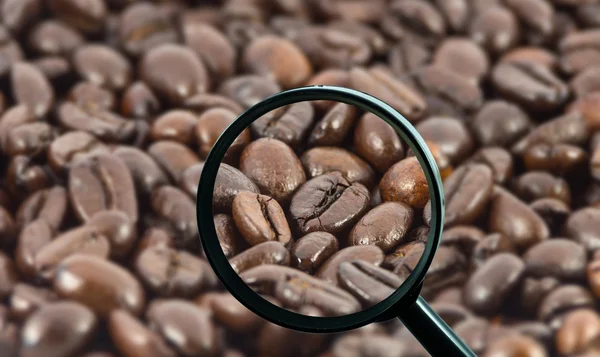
(109, 107)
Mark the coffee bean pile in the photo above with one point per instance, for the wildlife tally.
(109, 107)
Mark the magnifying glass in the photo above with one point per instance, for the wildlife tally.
(292, 225)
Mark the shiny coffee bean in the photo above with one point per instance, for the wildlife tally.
(70, 147)
(560, 159)
(578, 331)
(579, 51)
(179, 212)
(405, 182)
(176, 125)
(385, 226)
(560, 301)
(102, 66)
(31, 88)
(368, 282)
(462, 56)
(229, 312)
(52, 37)
(559, 258)
(331, 48)
(139, 101)
(145, 172)
(211, 124)
(377, 142)
(289, 124)
(132, 338)
(537, 184)
(312, 250)
(32, 238)
(580, 227)
(447, 268)
(495, 28)
(173, 157)
(500, 123)
(262, 253)
(368, 253)
(229, 238)
(26, 299)
(335, 125)
(322, 160)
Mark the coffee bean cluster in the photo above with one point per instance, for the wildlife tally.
(109, 107)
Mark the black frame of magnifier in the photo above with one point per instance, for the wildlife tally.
(405, 302)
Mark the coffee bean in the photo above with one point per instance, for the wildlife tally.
(515, 345)
(580, 226)
(101, 285)
(586, 82)
(384, 226)
(322, 160)
(312, 250)
(404, 258)
(415, 20)
(173, 157)
(500, 123)
(533, 54)
(379, 345)
(216, 51)
(76, 323)
(88, 17)
(519, 222)
(560, 159)
(8, 275)
(578, 330)
(537, 16)
(465, 237)
(204, 101)
(495, 28)
(229, 237)
(368, 282)
(174, 72)
(101, 182)
(464, 57)
(144, 26)
(176, 125)
(33, 238)
(211, 124)
(447, 268)
(8, 228)
(262, 253)
(229, 312)
(228, 184)
(328, 203)
(405, 182)
(377, 142)
(52, 37)
(289, 124)
(588, 107)
(332, 77)
(139, 101)
(559, 258)
(473, 331)
(145, 172)
(30, 139)
(333, 128)
(489, 246)
(132, 338)
(489, 286)
(100, 123)
(179, 212)
(26, 299)
(328, 47)
(70, 147)
(562, 300)
(103, 66)
(537, 184)
(31, 88)
(467, 192)
(579, 50)
(265, 161)
(553, 211)
(329, 269)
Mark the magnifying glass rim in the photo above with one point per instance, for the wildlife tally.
(234, 283)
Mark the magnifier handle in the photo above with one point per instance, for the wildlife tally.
(432, 332)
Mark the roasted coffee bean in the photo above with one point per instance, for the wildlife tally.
(70, 147)
(464, 57)
(498, 160)
(24, 176)
(168, 272)
(399, 95)
(593, 275)
(495, 28)
(452, 137)
(12, 119)
(322, 160)
(88, 17)
(447, 268)
(92, 96)
(265, 161)
(211, 124)
(173, 157)
(174, 72)
(216, 51)
(511, 217)
(587, 106)
(30, 139)
(289, 124)
(404, 258)
(491, 245)
(145, 172)
(26, 299)
(101, 182)
(355, 345)
(405, 182)
(33, 237)
(500, 123)
(179, 212)
(102, 66)
(537, 184)
(465, 237)
(228, 184)
(138, 101)
(132, 338)
(561, 300)
(31, 88)
(52, 37)
(55, 68)
(260, 218)
(312, 250)
(249, 90)
(581, 227)
(294, 289)
(559, 258)
(144, 26)
(384, 226)
(229, 312)
(76, 323)
(367, 282)
(229, 237)
(333, 128)
(176, 125)
(8, 228)
(536, 16)
(262, 253)
(101, 285)
(368, 253)
(515, 345)
(489, 286)
(560, 159)
(328, 47)
(328, 203)
(179, 322)
(377, 142)
(537, 55)
(100, 123)
(579, 329)
(553, 211)
(586, 82)
(413, 20)
(579, 50)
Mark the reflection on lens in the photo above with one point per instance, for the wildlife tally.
(321, 212)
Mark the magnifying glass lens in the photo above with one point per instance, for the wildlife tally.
(318, 206)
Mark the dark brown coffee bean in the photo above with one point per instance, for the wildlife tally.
(560, 159)
(295, 289)
(143, 26)
(404, 258)
(92, 96)
(462, 56)
(579, 51)
(511, 217)
(75, 322)
(538, 184)
(499, 160)
(216, 51)
(322, 160)
(173, 157)
(262, 253)
(413, 20)
(31, 88)
(489, 286)
(211, 124)
(408, 56)
(205, 101)
(289, 124)
(33, 237)
(53, 37)
(368, 282)
(448, 268)
(132, 338)
(332, 77)
(500, 123)
(581, 226)
(577, 332)
(176, 125)
(230, 239)
(377, 142)
(229, 312)
(102, 124)
(489, 246)
(179, 322)
(174, 72)
(265, 161)
(405, 182)
(537, 16)
(312, 250)
(553, 211)
(384, 226)
(260, 218)
(272, 57)
(16, 15)
(146, 173)
(329, 47)
(8, 275)
(333, 128)
(515, 345)
(588, 107)
(179, 212)
(102, 182)
(380, 83)
(26, 299)
(561, 300)
(586, 82)
(86, 16)
(99, 284)
(102, 66)
(248, 90)
(170, 273)
(360, 11)
(30, 139)
(465, 237)
(138, 101)
(530, 84)
(328, 203)
(368, 253)
(495, 29)
(82, 240)
(467, 191)
(24, 176)
(559, 258)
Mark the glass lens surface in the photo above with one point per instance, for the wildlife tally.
(319, 207)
